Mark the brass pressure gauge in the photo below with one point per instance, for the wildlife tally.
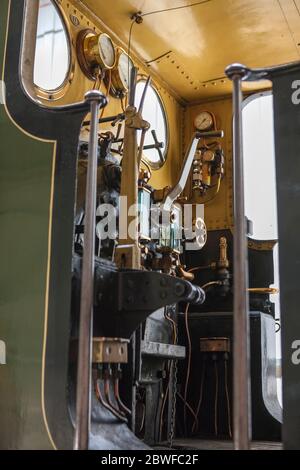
(204, 121)
(120, 75)
(95, 51)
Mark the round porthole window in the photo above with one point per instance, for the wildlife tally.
(52, 50)
(154, 113)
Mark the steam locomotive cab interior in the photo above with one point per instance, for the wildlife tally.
(147, 208)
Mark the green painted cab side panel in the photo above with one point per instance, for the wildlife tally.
(25, 193)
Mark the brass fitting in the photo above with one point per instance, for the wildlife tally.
(223, 262)
(185, 274)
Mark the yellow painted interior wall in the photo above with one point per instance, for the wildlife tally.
(180, 115)
(77, 84)
(219, 212)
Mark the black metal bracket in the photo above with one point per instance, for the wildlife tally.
(134, 295)
(125, 298)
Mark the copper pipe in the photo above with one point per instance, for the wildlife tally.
(188, 366)
(188, 275)
(211, 283)
(194, 428)
(118, 398)
(188, 407)
(173, 323)
(107, 405)
(200, 268)
(116, 412)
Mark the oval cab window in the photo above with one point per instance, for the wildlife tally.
(52, 56)
(259, 166)
(260, 184)
(154, 113)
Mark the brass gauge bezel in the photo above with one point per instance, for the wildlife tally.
(207, 127)
(89, 53)
(118, 88)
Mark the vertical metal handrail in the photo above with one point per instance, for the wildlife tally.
(83, 391)
(241, 339)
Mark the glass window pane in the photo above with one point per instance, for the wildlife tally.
(52, 58)
(259, 167)
(154, 113)
(260, 185)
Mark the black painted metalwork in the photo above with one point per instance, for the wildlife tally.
(266, 413)
(285, 79)
(125, 298)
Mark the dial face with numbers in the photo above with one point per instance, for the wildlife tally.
(121, 74)
(107, 51)
(203, 121)
(124, 68)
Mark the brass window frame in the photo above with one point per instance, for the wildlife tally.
(27, 59)
(158, 165)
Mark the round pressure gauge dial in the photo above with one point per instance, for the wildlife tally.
(106, 51)
(204, 121)
(120, 77)
(95, 51)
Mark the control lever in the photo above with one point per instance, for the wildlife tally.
(144, 129)
(119, 128)
(148, 81)
(175, 192)
(132, 87)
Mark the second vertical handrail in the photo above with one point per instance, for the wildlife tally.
(83, 390)
(241, 334)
